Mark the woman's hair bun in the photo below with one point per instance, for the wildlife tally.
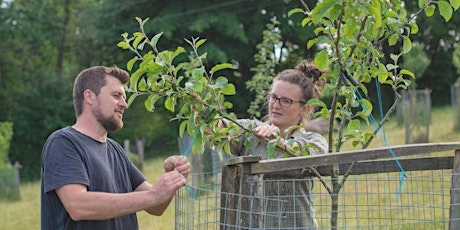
(309, 69)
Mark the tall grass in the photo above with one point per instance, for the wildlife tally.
(25, 213)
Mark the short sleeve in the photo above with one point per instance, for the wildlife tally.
(62, 164)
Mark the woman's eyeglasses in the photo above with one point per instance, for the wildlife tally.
(284, 102)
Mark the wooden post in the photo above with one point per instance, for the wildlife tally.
(126, 146)
(237, 189)
(454, 217)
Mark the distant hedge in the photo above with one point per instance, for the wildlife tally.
(9, 184)
(6, 134)
(9, 181)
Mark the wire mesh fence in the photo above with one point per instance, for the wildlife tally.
(308, 193)
(367, 201)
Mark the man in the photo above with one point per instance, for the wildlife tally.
(88, 181)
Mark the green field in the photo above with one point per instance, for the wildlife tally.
(25, 214)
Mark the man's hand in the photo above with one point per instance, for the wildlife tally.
(177, 163)
(166, 186)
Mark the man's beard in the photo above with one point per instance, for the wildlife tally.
(109, 123)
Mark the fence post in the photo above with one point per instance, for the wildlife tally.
(237, 193)
(454, 218)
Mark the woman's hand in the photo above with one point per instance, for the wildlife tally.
(267, 131)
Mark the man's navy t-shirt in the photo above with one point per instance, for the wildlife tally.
(71, 157)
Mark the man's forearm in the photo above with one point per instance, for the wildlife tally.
(102, 206)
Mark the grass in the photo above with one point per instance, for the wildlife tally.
(25, 213)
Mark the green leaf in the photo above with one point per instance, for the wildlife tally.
(139, 38)
(221, 82)
(413, 28)
(199, 43)
(362, 116)
(295, 11)
(228, 105)
(377, 16)
(227, 148)
(182, 127)
(135, 78)
(455, 4)
(354, 125)
(355, 143)
(311, 42)
(170, 103)
(321, 9)
(335, 12)
(178, 51)
(367, 106)
(319, 30)
(290, 130)
(305, 21)
(316, 103)
(391, 67)
(407, 44)
(271, 145)
(197, 74)
(124, 45)
(131, 99)
(445, 10)
(130, 63)
(229, 89)
(407, 72)
(394, 57)
(221, 66)
(149, 103)
(421, 3)
(155, 39)
(321, 59)
(429, 10)
(142, 85)
(393, 39)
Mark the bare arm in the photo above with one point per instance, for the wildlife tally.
(82, 204)
(177, 163)
(158, 209)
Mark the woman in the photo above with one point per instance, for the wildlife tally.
(288, 203)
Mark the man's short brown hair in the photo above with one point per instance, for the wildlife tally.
(94, 78)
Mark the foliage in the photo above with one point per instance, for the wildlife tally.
(440, 39)
(35, 97)
(9, 186)
(456, 59)
(232, 31)
(265, 69)
(187, 89)
(352, 35)
(6, 133)
(416, 61)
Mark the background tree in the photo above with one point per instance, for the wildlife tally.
(416, 61)
(45, 44)
(34, 97)
(440, 38)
